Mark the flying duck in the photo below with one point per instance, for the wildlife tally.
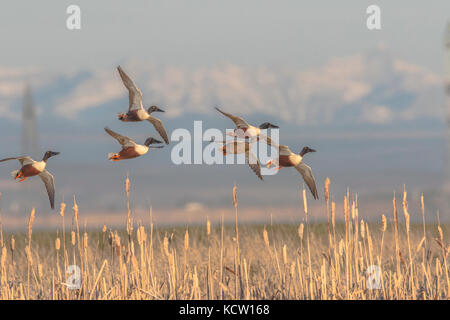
(245, 130)
(31, 168)
(286, 158)
(239, 147)
(136, 111)
(130, 149)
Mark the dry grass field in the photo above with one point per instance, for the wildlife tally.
(349, 259)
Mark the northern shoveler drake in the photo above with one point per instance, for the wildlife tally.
(130, 149)
(136, 111)
(245, 130)
(287, 158)
(31, 168)
(239, 147)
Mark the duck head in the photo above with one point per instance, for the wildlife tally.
(150, 141)
(267, 125)
(154, 109)
(49, 154)
(305, 150)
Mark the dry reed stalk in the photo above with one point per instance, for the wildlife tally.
(327, 200)
(397, 248)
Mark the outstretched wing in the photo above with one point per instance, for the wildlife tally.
(160, 128)
(134, 94)
(23, 160)
(238, 121)
(124, 141)
(49, 182)
(307, 175)
(254, 164)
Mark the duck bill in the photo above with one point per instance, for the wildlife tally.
(159, 110)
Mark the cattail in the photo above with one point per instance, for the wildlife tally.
(141, 235)
(333, 214)
(127, 186)
(186, 240)
(305, 201)
(341, 247)
(363, 230)
(110, 238)
(285, 255)
(85, 240)
(407, 221)
(72, 234)
(30, 223)
(40, 271)
(75, 208)
(3, 259)
(300, 231)
(104, 228)
(208, 227)
(383, 223)
(57, 244)
(266, 238)
(166, 246)
(13, 244)
(62, 209)
(327, 189)
(235, 203)
(117, 244)
(441, 234)
(29, 255)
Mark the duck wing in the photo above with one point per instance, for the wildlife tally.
(124, 141)
(254, 164)
(160, 128)
(307, 175)
(49, 182)
(134, 94)
(238, 121)
(23, 160)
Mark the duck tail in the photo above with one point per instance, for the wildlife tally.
(14, 173)
(112, 156)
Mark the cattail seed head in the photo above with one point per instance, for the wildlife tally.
(166, 246)
(266, 238)
(186, 240)
(75, 208)
(30, 223)
(235, 203)
(57, 244)
(441, 234)
(305, 201)
(327, 189)
(383, 223)
(85, 240)
(300, 231)
(72, 234)
(13, 244)
(104, 228)
(62, 209)
(285, 255)
(127, 186)
(3, 259)
(363, 229)
(208, 227)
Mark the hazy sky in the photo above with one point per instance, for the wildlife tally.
(203, 33)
